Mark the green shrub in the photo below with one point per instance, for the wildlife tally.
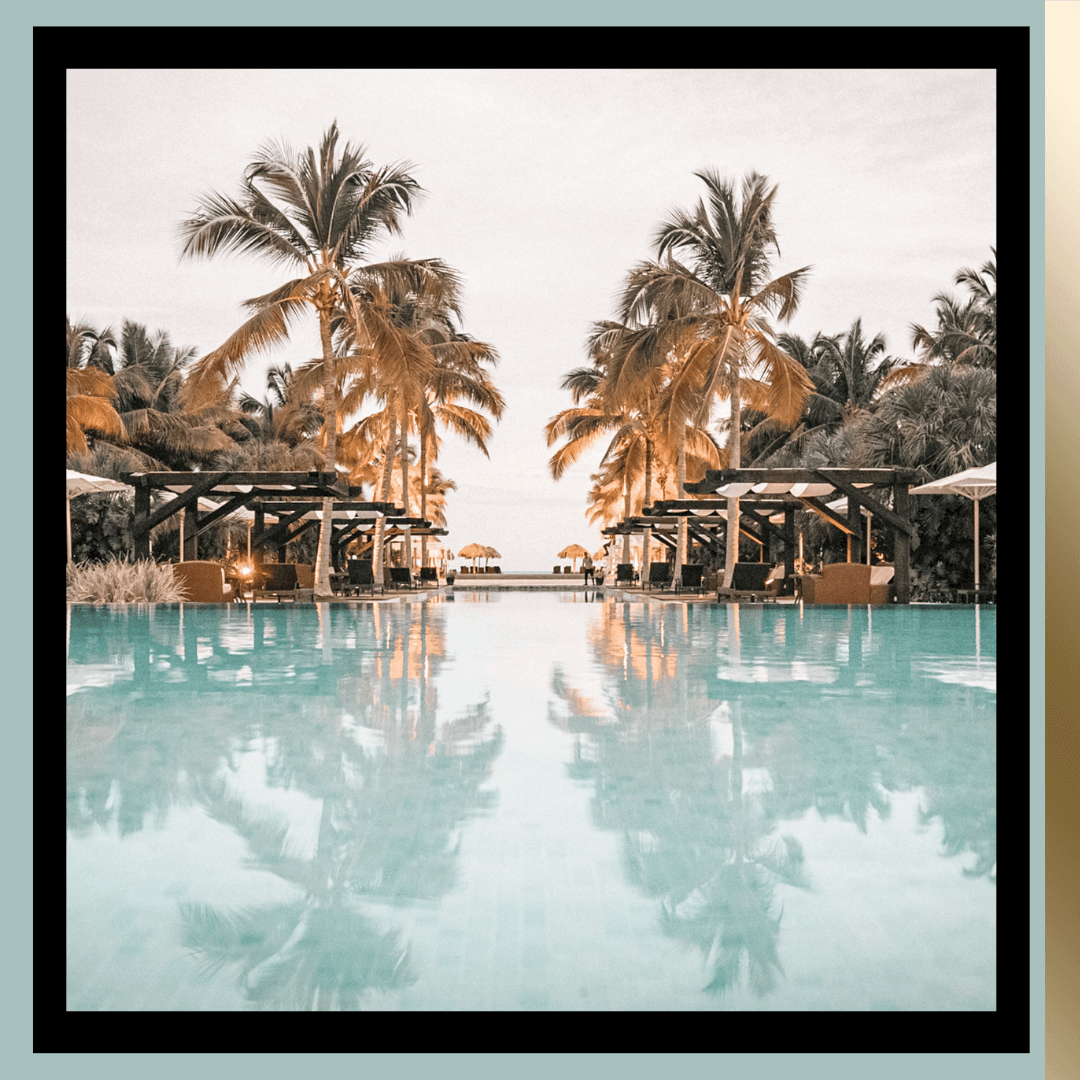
(122, 582)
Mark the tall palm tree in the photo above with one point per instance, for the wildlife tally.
(319, 212)
(720, 305)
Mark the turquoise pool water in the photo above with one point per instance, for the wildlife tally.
(531, 801)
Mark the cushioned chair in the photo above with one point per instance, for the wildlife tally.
(624, 573)
(279, 582)
(360, 577)
(429, 575)
(748, 582)
(690, 579)
(204, 582)
(659, 575)
(846, 583)
(882, 589)
(556, 569)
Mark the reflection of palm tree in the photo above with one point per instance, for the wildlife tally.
(299, 955)
(689, 838)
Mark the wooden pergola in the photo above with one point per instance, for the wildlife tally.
(295, 498)
(766, 493)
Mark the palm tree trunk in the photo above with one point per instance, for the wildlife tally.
(323, 589)
(680, 546)
(423, 497)
(731, 546)
(648, 502)
(626, 517)
(384, 496)
(405, 481)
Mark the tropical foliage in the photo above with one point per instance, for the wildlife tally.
(393, 362)
(320, 212)
(692, 333)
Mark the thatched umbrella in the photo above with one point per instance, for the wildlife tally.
(474, 552)
(490, 553)
(573, 553)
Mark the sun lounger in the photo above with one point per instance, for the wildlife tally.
(748, 583)
(690, 579)
(659, 575)
(204, 582)
(279, 582)
(361, 577)
(624, 574)
(429, 575)
(305, 582)
(401, 578)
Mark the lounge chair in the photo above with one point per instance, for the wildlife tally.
(659, 574)
(624, 574)
(556, 569)
(204, 582)
(401, 577)
(429, 575)
(690, 579)
(360, 577)
(748, 582)
(305, 581)
(279, 583)
(847, 583)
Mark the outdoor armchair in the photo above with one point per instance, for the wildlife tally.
(847, 583)
(204, 582)
(624, 573)
(429, 574)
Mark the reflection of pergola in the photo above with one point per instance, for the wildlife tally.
(765, 493)
(295, 498)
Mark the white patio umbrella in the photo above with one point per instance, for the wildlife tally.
(83, 484)
(974, 484)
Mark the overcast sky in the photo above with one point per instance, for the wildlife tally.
(543, 189)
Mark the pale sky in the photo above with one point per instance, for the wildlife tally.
(543, 189)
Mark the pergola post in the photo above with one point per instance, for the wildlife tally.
(789, 549)
(902, 545)
(139, 527)
(191, 540)
(855, 523)
(260, 527)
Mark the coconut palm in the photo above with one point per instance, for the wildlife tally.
(319, 212)
(90, 390)
(966, 331)
(719, 307)
(149, 376)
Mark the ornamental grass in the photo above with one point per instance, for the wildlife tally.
(121, 581)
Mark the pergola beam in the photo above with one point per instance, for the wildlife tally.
(871, 504)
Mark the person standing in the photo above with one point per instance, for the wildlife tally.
(587, 567)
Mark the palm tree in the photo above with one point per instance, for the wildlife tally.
(320, 213)
(90, 390)
(149, 381)
(719, 309)
(966, 332)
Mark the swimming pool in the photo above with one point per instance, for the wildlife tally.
(531, 801)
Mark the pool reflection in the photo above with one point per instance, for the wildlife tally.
(718, 725)
(173, 704)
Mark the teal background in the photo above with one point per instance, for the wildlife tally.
(475, 13)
